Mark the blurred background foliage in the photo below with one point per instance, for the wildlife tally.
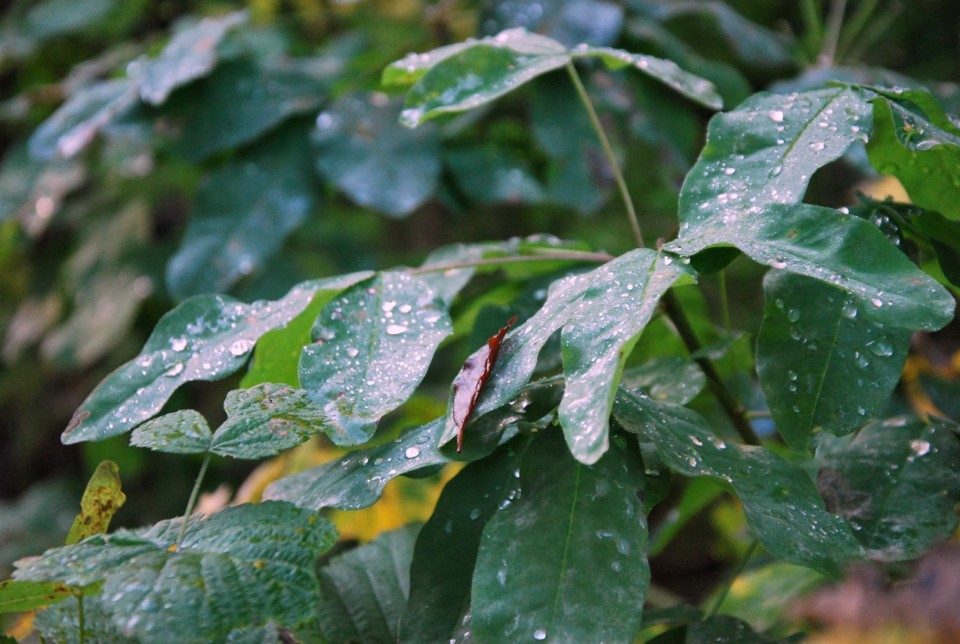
(156, 150)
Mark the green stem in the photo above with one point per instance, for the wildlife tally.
(733, 409)
(724, 301)
(733, 577)
(573, 255)
(828, 51)
(608, 151)
(191, 504)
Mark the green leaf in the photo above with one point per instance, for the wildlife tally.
(278, 352)
(21, 596)
(78, 121)
(464, 76)
(265, 420)
(765, 151)
(363, 150)
(697, 495)
(243, 212)
(241, 567)
(190, 54)
(669, 379)
(100, 502)
(446, 552)
(595, 343)
(917, 143)
(363, 592)
(237, 103)
(609, 317)
(357, 480)
(180, 432)
(722, 628)
(207, 337)
(565, 559)
(841, 249)
(897, 482)
(821, 364)
(61, 622)
(25, 180)
(780, 502)
(372, 346)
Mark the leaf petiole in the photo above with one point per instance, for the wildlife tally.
(193, 499)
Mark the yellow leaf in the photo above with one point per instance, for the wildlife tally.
(100, 502)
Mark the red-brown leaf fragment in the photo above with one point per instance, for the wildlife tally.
(473, 375)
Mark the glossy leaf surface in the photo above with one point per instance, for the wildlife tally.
(464, 76)
(243, 212)
(607, 321)
(780, 502)
(205, 338)
(362, 149)
(566, 557)
(371, 348)
(915, 141)
(214, 583)
(897, 482)
(357, 480)
(822, 364)
(363, 592)
(446, 552)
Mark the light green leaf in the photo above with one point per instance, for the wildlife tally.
(372, 346)
(897, 482)
(207, 337)
(180, 432)
(278, 352)
(565, 559)
(21, 596)
(190, 54)
(917, 143)
(78, 121)
(241, 567)
(821, 364)
(357, 480)
(243, 212)
(377, 162)
(464, 76)
(446, 552)
(363, 592)
(610, 315)
(780, 502)
(833, 247)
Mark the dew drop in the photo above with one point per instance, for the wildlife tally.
(396, 329)
(849, 309)
(240, 347)
(178, 344)
(475, 514)
(539, 634)
(920, 447)
(412, 452)
(817, 146)
(880, 348)
(776, 116)
(174, 371)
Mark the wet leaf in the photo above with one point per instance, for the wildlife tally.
(190, 54)
(243, 212)
(371, 347)
(780, 502)
(363, 592)
(489, 173)
(179, 432)
(100, 502)
(464, 76)
(78, 121)
(32, 190)
(237, 103)
(446, 552)
(915, 141)
(897, 482)
(607, 322)
(357, 480)
(21, 596)
(571, 22)
(669, 379)
(207, 337)
(278, 351)
(363, 150)
(565, 558)
(822, 364)
(213, 584)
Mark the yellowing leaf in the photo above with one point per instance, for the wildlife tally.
(100, 502)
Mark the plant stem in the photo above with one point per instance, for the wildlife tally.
(193, 498)
(724, 301)
(80, 618)
(733, 409)
(573, 255)
(733, 577)
(828, 51)
(608, 151)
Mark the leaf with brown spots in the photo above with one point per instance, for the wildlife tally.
(21, 596)
(100, 502)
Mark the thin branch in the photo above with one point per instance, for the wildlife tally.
(608, 152)
(191, 504)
